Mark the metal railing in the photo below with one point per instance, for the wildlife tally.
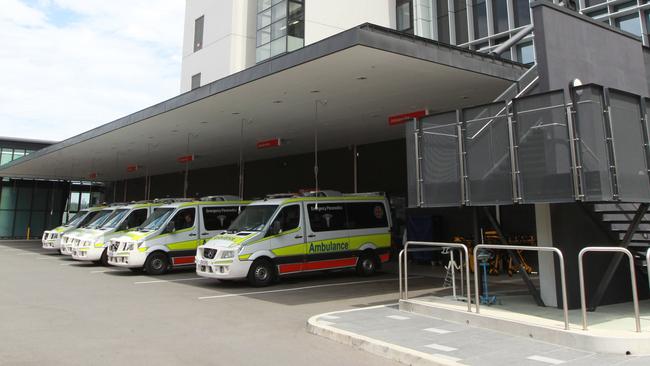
(403, 267)
(565, 306)
(647, 264)
(635, 296)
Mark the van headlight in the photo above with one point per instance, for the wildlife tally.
(227, 254)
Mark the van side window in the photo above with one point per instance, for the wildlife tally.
(219, 218)
(136, 218)
(184, 219)
(287, 219)
(366, 215)
(326, 216)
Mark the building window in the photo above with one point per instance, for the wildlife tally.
(196, 81)
(629, 24)
(500, 15)
(198, 33)
(460, 17)
(522, 12)
(280, 27)
(404, 13)
(526, 53)
(480, 19)
(443, 21)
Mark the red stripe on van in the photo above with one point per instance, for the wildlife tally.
(183, 260)
(384, 257)
(333, 263)
(292, 267)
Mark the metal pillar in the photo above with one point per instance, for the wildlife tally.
(524, 276)
(613, 265)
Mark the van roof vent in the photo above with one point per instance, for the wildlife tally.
(365, 194)
(171, 200)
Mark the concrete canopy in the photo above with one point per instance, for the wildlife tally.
(364, 74)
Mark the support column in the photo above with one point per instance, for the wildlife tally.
(547, 283)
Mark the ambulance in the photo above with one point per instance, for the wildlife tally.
(92, 244)
(52, 238)
(72, 238)
(170, 236)
(284, 235)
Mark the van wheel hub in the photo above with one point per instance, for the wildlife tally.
(261, 273)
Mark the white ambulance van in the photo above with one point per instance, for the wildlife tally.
(72, 238)
(170, 236)
(279, 236)
(52, 238)
(92, 245)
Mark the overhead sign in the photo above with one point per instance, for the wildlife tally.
(185, 159)
(92, 176)
(269, 143)
(132, 168)
(402, 118)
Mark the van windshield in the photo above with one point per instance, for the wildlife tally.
(254, 218)
(157, 219)
(114, 220)
(99, 219)
(88, 219)
(76, 218)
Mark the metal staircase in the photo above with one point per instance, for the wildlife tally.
(618, 217)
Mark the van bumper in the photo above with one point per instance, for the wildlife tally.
(132, 259)
(87, 253)
(221, 269)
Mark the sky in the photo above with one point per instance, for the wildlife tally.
(67, 66)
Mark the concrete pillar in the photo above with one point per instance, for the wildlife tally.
(546, 261)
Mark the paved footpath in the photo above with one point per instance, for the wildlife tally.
(418, 339)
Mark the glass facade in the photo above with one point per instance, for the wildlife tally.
(9, 154)
(482, 25)
(30, 205)
(280, 27)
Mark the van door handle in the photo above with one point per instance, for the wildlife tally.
(192, 234)
(298, 237)
(311, 235)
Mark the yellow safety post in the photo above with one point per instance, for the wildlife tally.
(28, 232)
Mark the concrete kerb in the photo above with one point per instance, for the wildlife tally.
(393, 352)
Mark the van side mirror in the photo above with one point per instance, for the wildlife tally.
(275, 229)
(170, 228)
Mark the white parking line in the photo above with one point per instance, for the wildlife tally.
(106, 271)
(296, 289)
(398, 317)
(440, 347)
(165, 281)
(548, 360)
(437, 330)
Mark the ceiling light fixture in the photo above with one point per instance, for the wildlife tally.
(277, 101)
(362, 78)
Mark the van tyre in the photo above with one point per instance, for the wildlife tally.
(156, 264)
(262, 273)
(368, 264)
(103, 260)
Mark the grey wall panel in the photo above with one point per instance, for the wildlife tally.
(440, 160)
(592, 144)
(488, 163)
(409, 133)
(569, 45)
(627, 134)
(543, 148)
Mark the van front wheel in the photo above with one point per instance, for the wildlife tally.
(156, 264)
(261, 273)
(367, 264)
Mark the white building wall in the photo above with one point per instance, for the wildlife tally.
(228, 39)
(325, 18)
